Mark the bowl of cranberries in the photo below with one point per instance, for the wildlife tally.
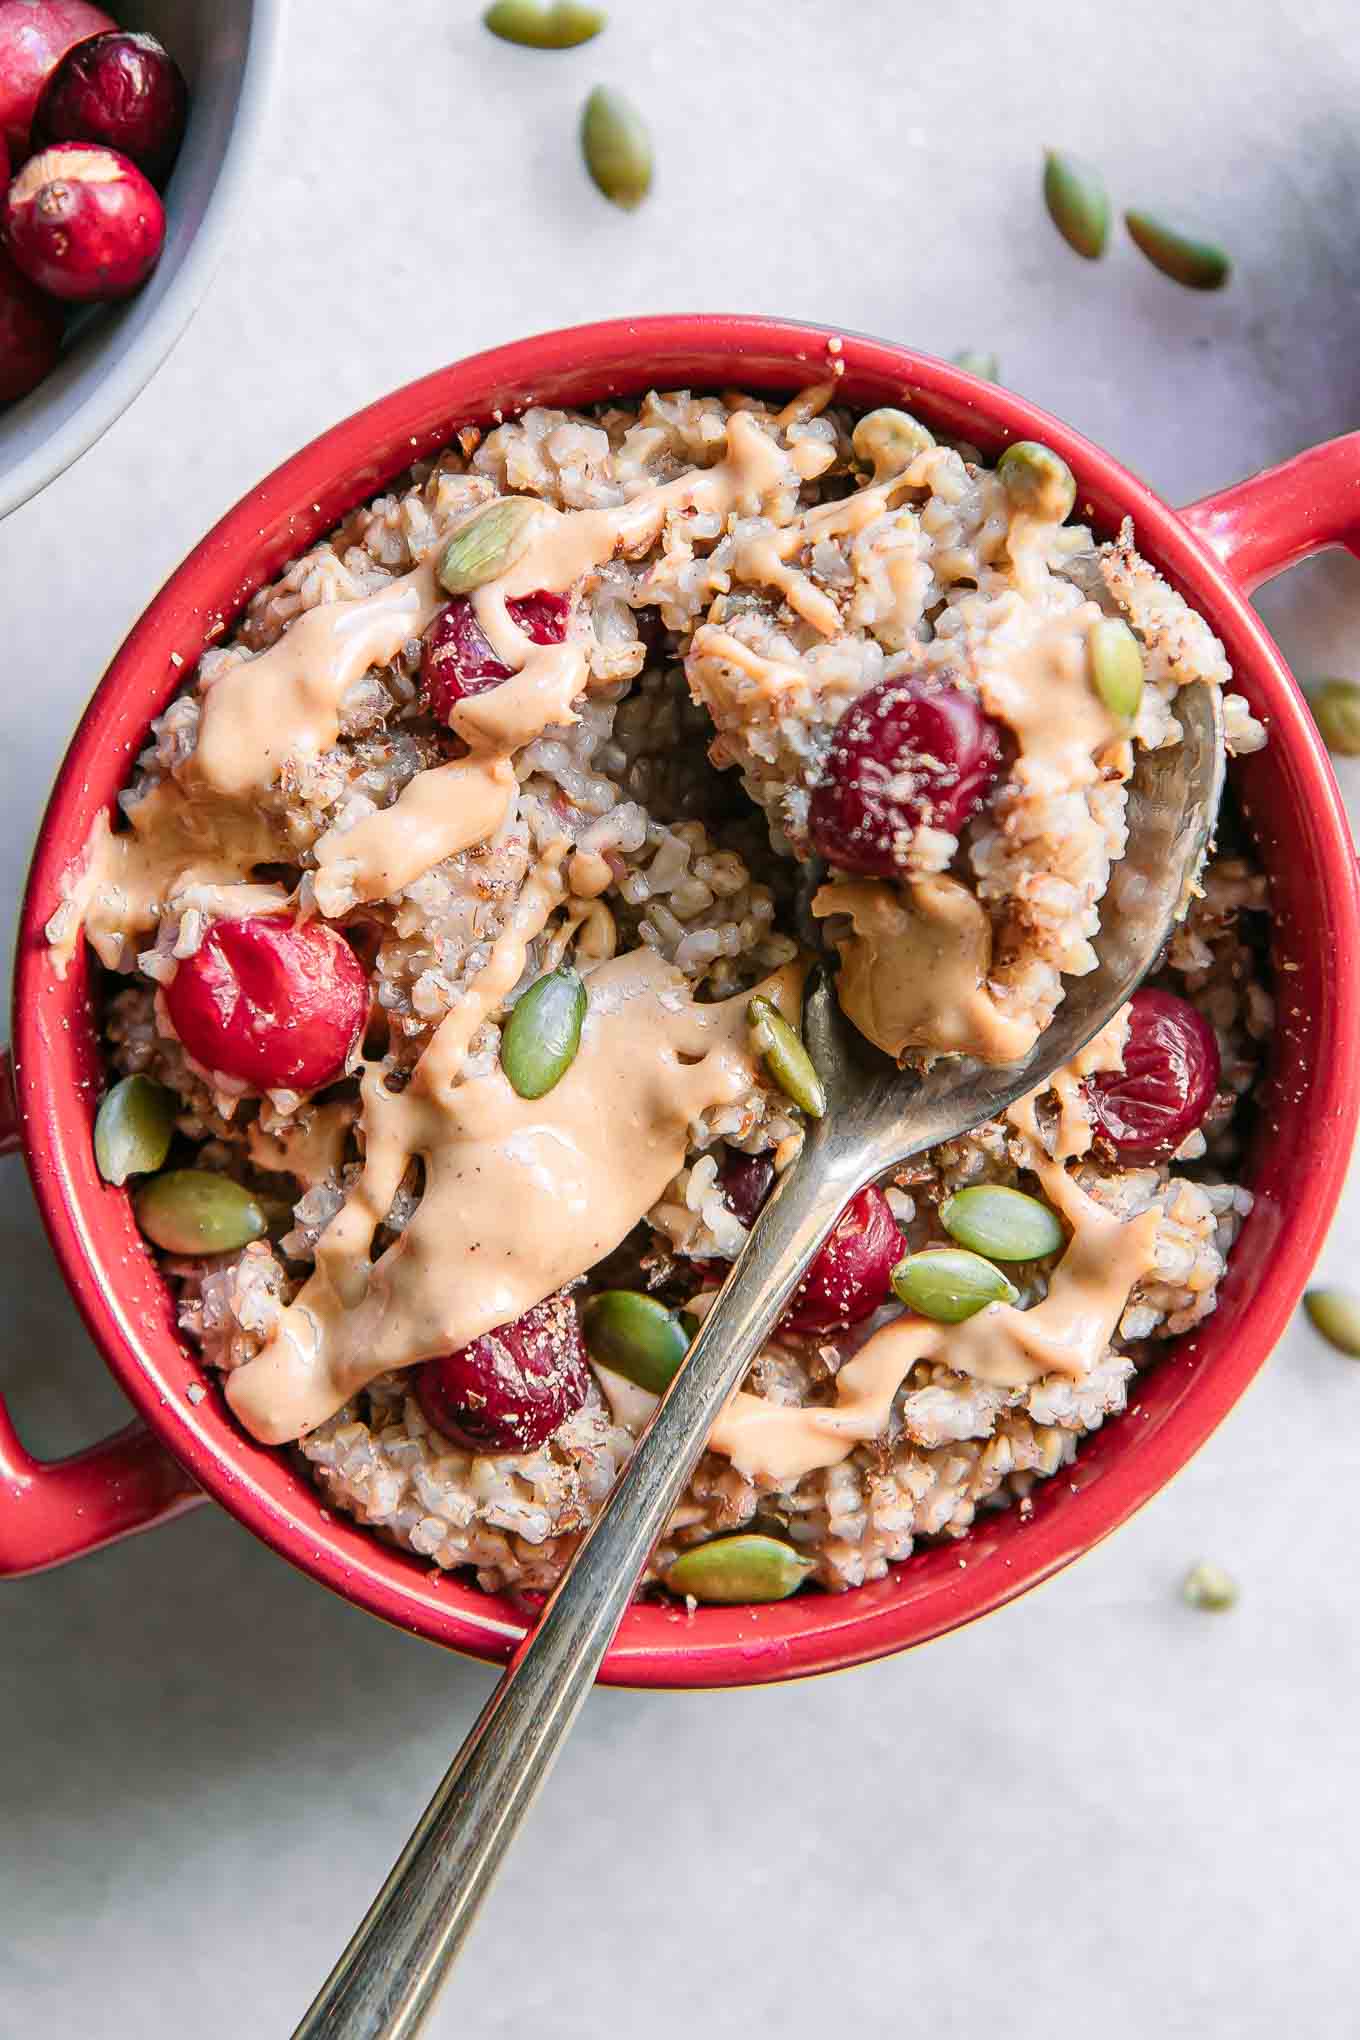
(122, 146)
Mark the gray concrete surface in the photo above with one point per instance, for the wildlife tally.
(1097, 1812)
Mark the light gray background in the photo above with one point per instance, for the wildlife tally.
(1097, 1812)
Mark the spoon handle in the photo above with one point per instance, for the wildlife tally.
(387, 1978)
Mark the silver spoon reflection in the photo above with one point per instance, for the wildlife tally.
(876, 1118)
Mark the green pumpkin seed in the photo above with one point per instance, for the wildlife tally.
(733, 1570)
(617, 147)
(1116, 662)
(986, 366)
(133, 1129)
(1078, 203)
(785, 1058)
(1037, 480)
(1002, 1224)
(1336, 1314)
(888, 441)
(637, 1336)
(196, 1211)
(488, 544)
(1207, 1586)
(561, 26)
(1179, 254)
(543, 1033)
(949, 1284)
(1336, 711)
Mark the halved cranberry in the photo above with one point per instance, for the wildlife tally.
(34, 37)
(122, 89)
(273, 1003)
(458, 659)
(745, 1183)
(511, 1388)
(84, 223)
(30, 333)
(910, 753)
(852, 1275)
(1170, 1075)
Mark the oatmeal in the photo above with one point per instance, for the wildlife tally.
(597, 720)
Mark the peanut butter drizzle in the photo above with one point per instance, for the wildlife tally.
(915, 969)
(311, 1147)
(206, 823)
(285, 702)
(1068, 1333)
(520, 1195)
(1075, 1128)
(171, 850)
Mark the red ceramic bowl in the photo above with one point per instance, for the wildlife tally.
(1215, 552)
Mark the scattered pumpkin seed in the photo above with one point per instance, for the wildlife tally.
(196, 1211)
(133, 1128)
(563, 25)
(487, 544)
(637, 1336)
(1336, 711)
(733, 1570)
(888, 441)
(785, 1058)
(1037, 480)
(1002, 1224)
(1178, 253)
(1116, 662)
(1207, 1586)
(543, 1033)
(617, 147)
(1078, 203)
(986, 366)
(1336, 1314)
(949, 1284)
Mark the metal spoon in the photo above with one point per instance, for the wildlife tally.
(876, 1118)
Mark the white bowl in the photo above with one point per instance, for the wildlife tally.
(228, 51)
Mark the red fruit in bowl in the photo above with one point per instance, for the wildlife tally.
(83, 223)
(458, 659)
(272, 1003)
(34, 37)
(910, 753)
(511, 1389)
(121, 89)
(30, 333)
(852, 1275)
(746, 1181)
(1167, 1084)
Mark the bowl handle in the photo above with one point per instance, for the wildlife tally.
(58, 1509)
(1285, 514)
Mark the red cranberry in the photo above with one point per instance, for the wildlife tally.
(121, 89)
(1170, 1075)
(745, 1183)
(512, 1388)
(273, 1003)
(30, 333)
(458, 659)
(910, 753)
(852, 1275)
(34, 37)
(84, 223)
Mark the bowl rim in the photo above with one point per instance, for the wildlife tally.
(91, 1232)
(125, 379)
